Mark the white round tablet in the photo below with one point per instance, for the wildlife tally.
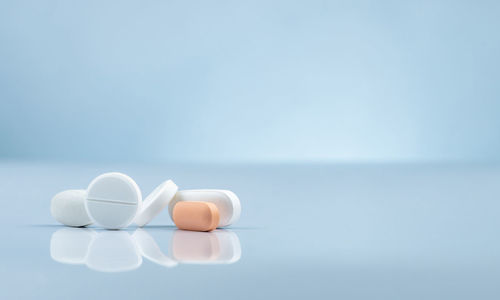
(156, 202)
(113, 199)
(226, 201)
(68, 208)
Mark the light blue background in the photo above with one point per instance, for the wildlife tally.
(88, 87)
(250, 80)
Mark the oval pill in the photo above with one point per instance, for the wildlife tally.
(113, 200)
(197, 216)
(227, 203)
(68, 208)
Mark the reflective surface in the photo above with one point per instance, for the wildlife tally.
(306, 231)
(119, 251)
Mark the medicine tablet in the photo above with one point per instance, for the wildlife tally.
(68, 208)
(198, 216)
(156, 202)
(113, 200)
(226, 201)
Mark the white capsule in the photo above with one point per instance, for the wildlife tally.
(68, 208)
(113, 199)
(227, 203)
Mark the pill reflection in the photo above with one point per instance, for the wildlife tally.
(70, 245)
(150, 250)
(113, 251)
(219, 246)
(119, 251)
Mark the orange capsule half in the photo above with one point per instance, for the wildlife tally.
(196, 216)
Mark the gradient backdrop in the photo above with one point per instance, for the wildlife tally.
(250, 80)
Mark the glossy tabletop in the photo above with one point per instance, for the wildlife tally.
(307, 231)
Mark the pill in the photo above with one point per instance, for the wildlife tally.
(113, 200)
(68, 208)
(113, 251)
(198, 216)
(215, 247)
(227, 203)
(156, 202)
(71, 245)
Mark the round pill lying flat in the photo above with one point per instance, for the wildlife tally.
(113, 200)
(198, 216)
(156, 202)
(68, 208)
(226, 201)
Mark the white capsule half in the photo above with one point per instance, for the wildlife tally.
(113, 199)
(227, 203)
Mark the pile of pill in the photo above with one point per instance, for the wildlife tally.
(114, 201)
